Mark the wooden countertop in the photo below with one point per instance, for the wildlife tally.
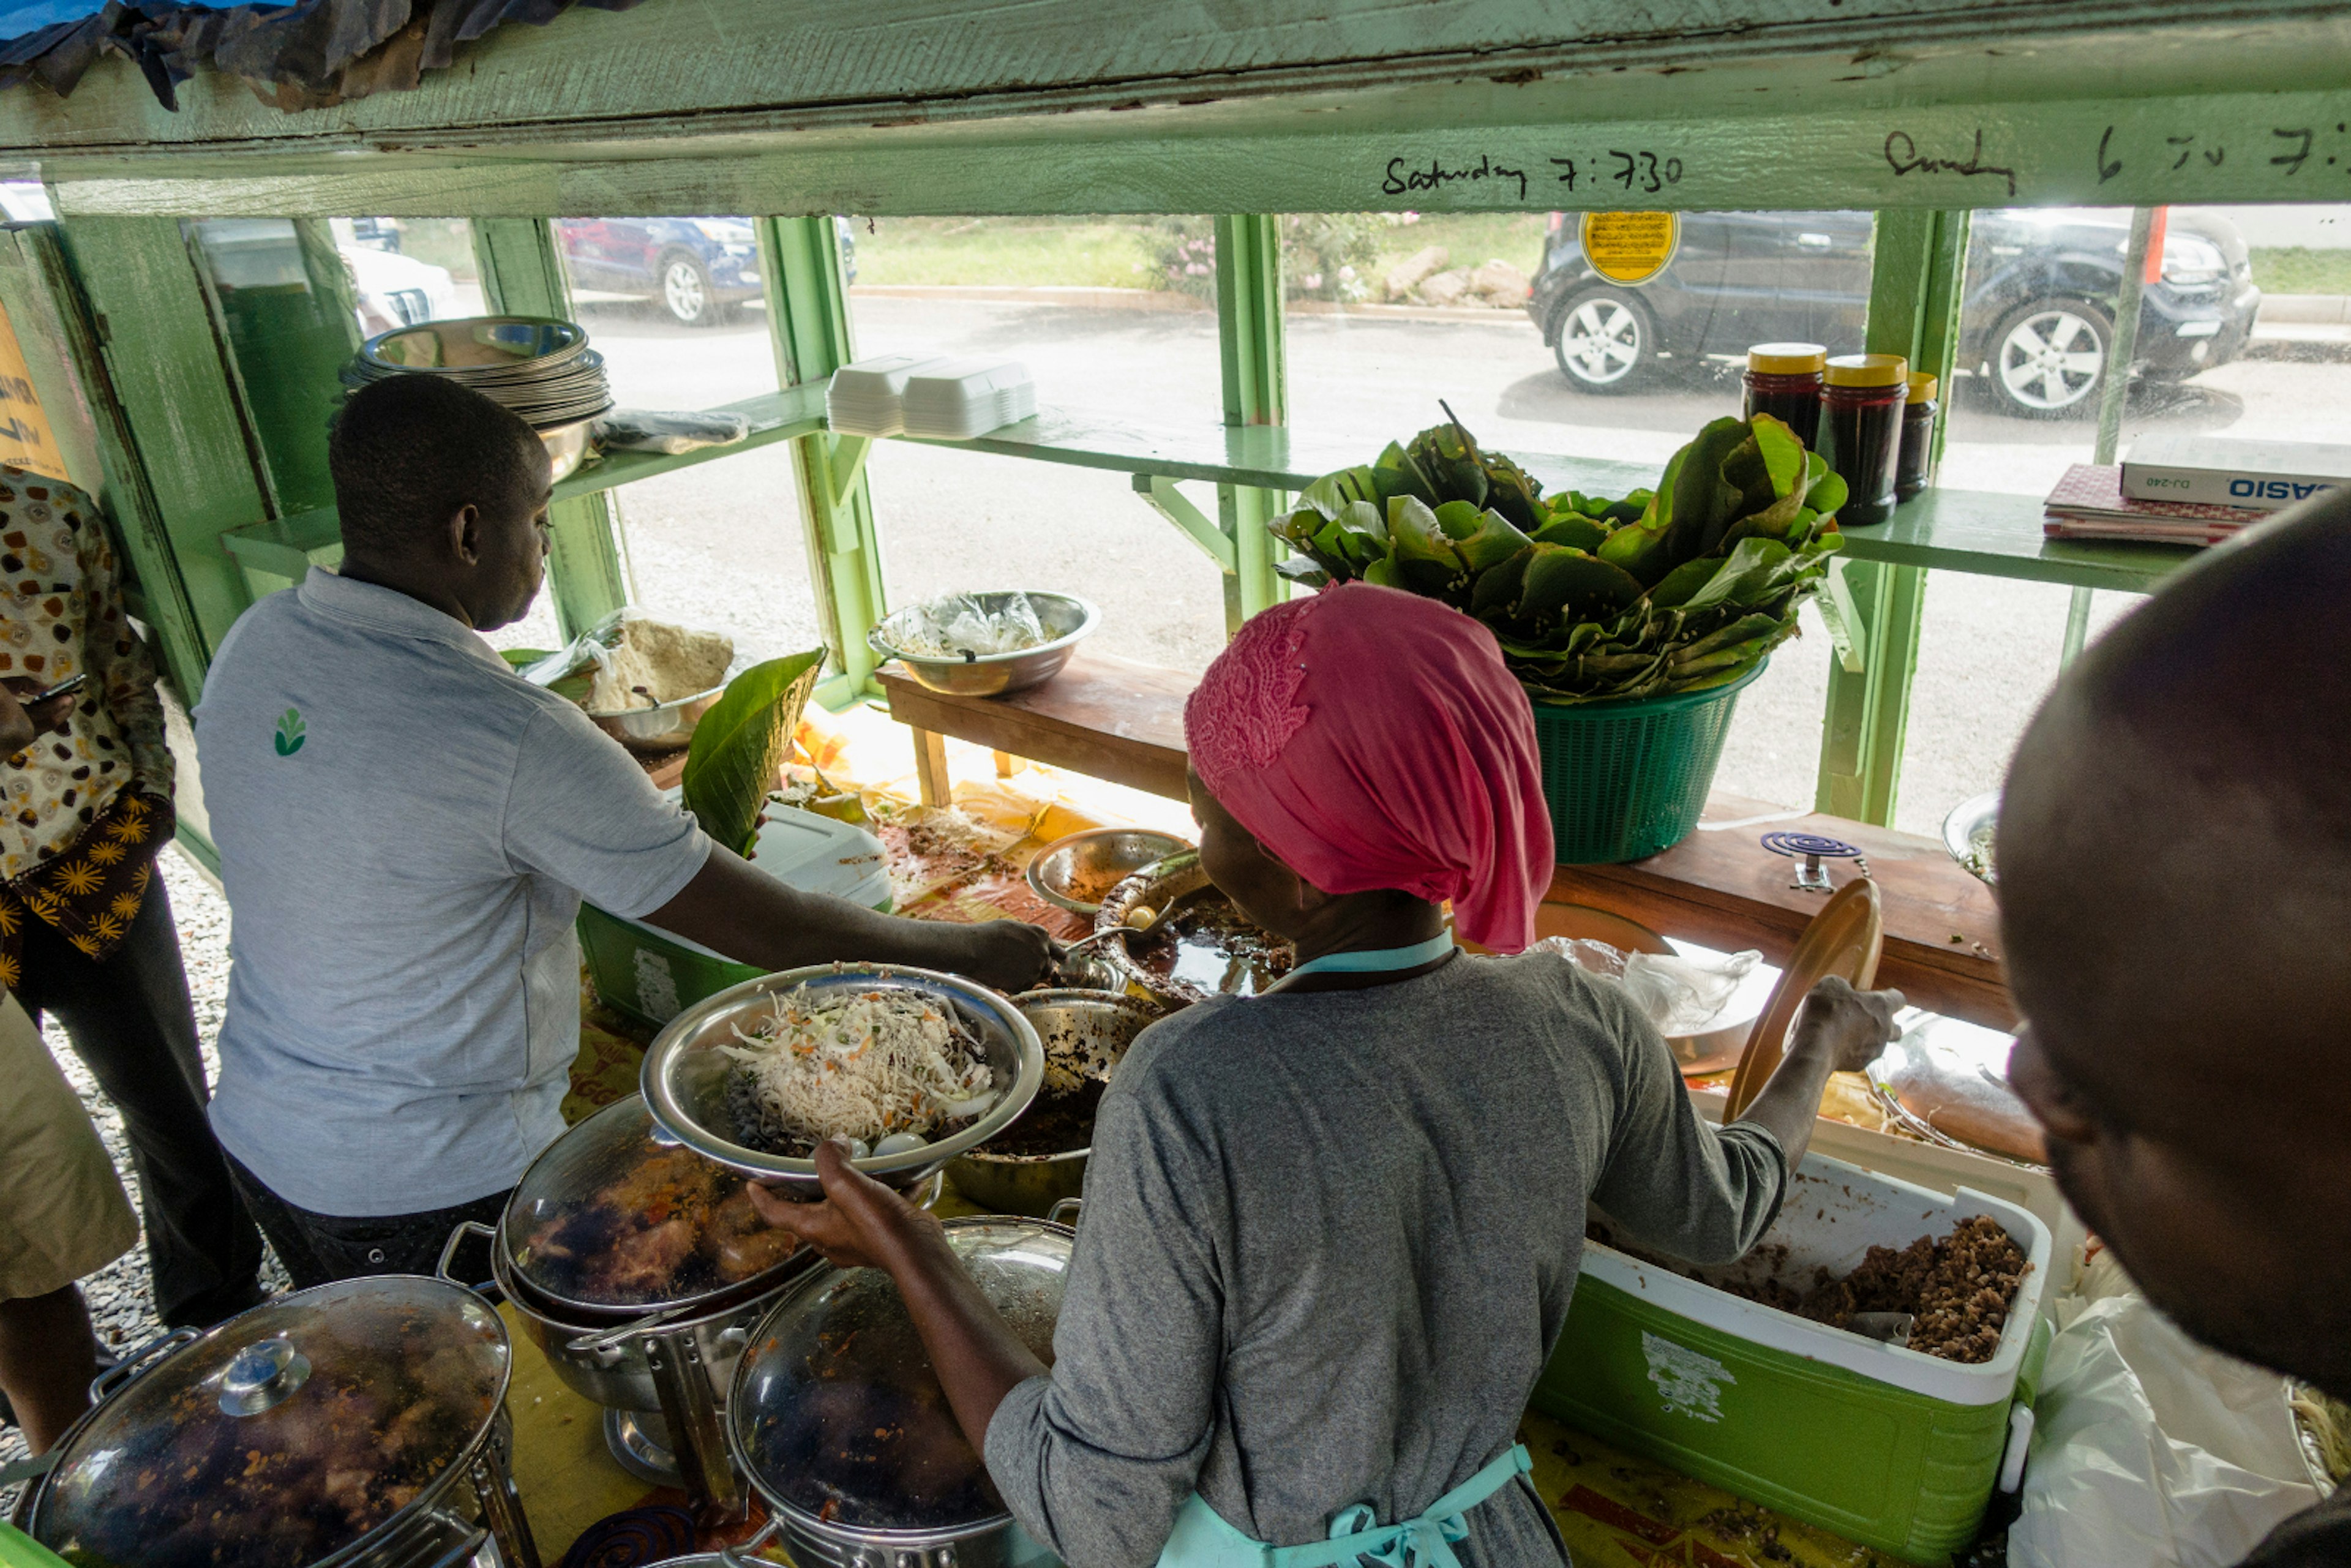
(1103, 715)
(1721, 887)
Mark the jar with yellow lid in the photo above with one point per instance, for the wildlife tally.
(1784, 380)
(1861, 431)
(1914, 469)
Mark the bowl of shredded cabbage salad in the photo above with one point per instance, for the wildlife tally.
(912, 1066)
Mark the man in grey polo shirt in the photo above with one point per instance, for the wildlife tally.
(406, 829)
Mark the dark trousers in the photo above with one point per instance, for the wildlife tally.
(133, 1025)
(317, 1247)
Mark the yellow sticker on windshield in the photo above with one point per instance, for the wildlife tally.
(1631, 247)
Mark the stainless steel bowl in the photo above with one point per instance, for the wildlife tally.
(1120, 851)
(567, 447)
(685, 1076)
(1967, 822)
(665, 727)
(1067, 619)
(1087, 1032)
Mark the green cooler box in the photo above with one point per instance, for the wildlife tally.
(654, 976)
(1884, 1446)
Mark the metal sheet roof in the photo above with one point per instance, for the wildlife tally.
(303, 55)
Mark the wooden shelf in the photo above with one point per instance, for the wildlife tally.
(774, 416)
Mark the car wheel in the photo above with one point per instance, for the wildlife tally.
(687, 293)
(1606, 340)
(2049, 359)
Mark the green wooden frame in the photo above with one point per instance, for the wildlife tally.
(1470, 104)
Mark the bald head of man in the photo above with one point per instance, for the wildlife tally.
(2175, 864)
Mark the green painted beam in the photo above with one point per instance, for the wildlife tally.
(1915, 271)
(1547, 150)
(63, 355)
(807, 322)
(1254, 365)
(198, 458)
(522, 274)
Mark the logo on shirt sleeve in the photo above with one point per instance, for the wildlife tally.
(291, 733)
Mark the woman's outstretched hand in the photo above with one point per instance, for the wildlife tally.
(861, 1224)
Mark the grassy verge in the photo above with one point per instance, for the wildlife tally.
(1470, 239)
(2292, 269)
(1065, 253)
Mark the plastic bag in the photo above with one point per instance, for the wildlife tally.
(2149, 1449)
(958, 624)
(642, 430)
(1681, 996)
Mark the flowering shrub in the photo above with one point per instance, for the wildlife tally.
(1323, 255)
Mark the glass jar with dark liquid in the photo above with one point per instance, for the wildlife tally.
(1784, 380)
(1861, 431)
(1915, 469)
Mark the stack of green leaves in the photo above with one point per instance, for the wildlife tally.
(1676, 589)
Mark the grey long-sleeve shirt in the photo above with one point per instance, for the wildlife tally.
(1328, 1239)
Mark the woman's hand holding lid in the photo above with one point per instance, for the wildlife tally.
(861, 1224)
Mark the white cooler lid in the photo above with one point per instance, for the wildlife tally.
(811, 853)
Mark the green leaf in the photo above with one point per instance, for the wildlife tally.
(1568, 585)
(739, 748)
(1828, 493)
(1496, 589)
(1573, 531)
(1492, 540)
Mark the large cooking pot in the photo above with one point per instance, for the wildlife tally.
(1192, 958)
(637, 1267)
(358, 1425)
(1085, 1035)
(839, 1420)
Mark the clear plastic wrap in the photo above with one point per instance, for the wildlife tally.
(643, 430)
(1681, 996)
(958, 624)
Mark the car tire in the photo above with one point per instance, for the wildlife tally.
(1605, 340)
(2047, 358)
(686, 291)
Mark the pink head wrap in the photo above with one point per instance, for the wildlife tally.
(1371, 738)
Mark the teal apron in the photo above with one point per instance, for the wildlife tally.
(1202, 1538)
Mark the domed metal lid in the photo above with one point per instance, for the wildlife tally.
(615, 1217)
(836, 1414)
(285, 1435)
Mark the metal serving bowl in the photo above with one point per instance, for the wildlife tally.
(665, 727)
(685, 1077)
(567, 447)
(1119, 851)
(1966, 819)
(1087, 1032)
(1067, 619)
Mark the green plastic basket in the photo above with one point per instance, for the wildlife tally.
(1625, 779)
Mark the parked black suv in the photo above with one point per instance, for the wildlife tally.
(2040, 290)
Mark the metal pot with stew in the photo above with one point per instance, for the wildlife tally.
(838, 1418)
(358, 1425)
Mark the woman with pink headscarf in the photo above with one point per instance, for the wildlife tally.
(1331, 1230)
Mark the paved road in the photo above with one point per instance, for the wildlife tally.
(720, 545)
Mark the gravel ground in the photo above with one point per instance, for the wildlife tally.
(122, 1299)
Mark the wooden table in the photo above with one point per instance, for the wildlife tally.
(1104, 717)
(1113, 718)
(1721, 887)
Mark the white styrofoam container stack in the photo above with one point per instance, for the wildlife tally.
(867, 398)
(955, 400)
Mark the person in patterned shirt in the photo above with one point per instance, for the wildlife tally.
(86, 931)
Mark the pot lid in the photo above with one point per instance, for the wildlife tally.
(836, 1413)
(615, 1217)
(283, 1436)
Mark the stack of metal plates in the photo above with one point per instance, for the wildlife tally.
(539, 367)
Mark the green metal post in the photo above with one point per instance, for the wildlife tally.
(1249, 341)
(189, 446)
(1915, 276)
(523, 276)
(807, 319)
